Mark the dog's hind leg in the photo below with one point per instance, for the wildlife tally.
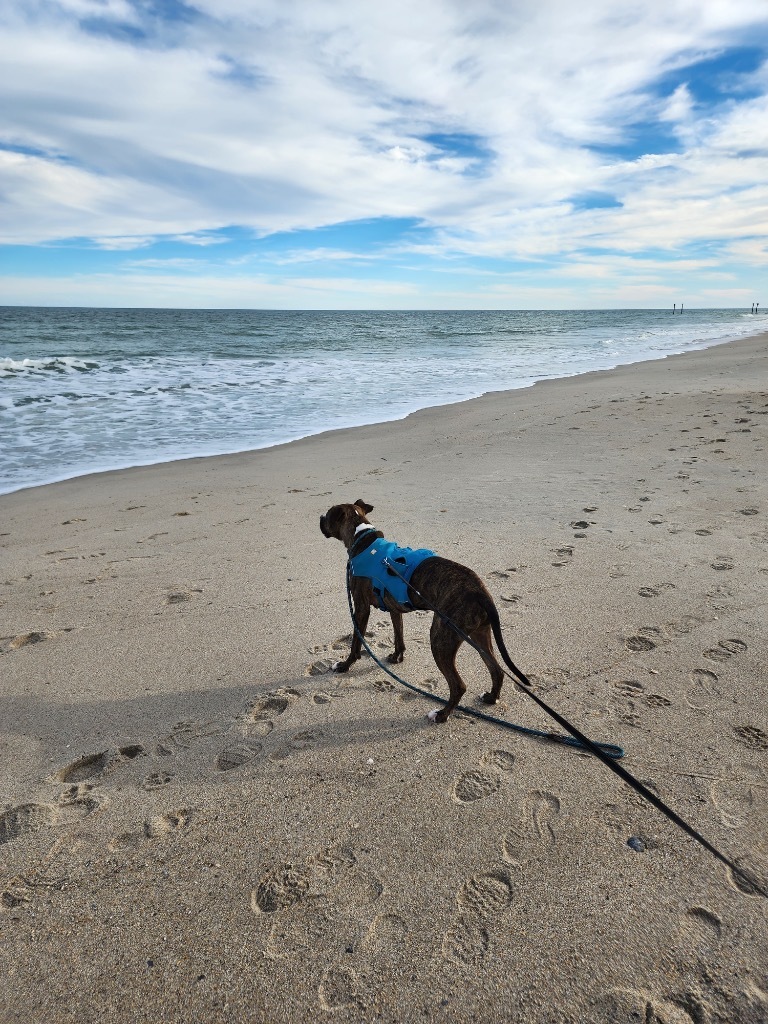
(445, 643)
(482, 637)
(397, 627)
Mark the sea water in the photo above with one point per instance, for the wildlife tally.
(84, 390)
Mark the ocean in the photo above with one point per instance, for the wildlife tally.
(85, 390)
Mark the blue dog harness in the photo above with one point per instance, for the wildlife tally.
(372, 564)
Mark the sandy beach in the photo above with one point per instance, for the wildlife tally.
(199, 821)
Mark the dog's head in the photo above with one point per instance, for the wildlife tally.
(341, 521)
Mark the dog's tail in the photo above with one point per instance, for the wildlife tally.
(493, 617)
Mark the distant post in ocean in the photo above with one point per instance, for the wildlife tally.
(674, 307)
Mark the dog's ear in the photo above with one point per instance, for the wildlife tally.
(364, 506)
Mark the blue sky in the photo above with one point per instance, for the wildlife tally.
(330, 154)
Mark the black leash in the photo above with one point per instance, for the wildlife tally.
(608, 759)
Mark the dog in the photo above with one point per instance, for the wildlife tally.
(429, 583)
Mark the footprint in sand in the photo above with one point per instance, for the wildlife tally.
(480, 899)
(629, 688)
(341, 989)
(657, 701)
(734, 801)
(723, 562)
(485, 895)
(81, 799)
(383, 685)
(542, 810)
(502, 760)
(164, 825)
(704, 689)
(564, 554)
(751, 736)
(638, 644)
(465, 943)
(15, 643)
(322, 667)
(25, 820)
(90, 766)
(701, 930)
(282, 885)
(479, 783)
(238, 754)
(253, 730)
(304, 740)
(310, 927)
(331, 652)
(510, 849)
(755, 867)
(682, 627)
(156, 780)
(181, 596)
(160, 827)
(44, 874)
(430, 685)
(622, 1006)
(386, 937)
(183, 735)
(322, 925)
(267, 708)
(725, 650)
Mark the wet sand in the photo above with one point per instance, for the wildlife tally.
(200, 822)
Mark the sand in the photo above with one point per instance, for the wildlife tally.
(200, 823)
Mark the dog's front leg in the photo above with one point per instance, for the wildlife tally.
(397, 627)
(362, 613)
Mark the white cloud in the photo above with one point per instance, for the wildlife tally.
(127, 243)
(277, 117)
(678, 108)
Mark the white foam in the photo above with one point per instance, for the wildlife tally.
(59, 364)
(136, 390)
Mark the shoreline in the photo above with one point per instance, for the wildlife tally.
(199, 821)
(380, 423)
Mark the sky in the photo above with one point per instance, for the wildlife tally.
(331, 154)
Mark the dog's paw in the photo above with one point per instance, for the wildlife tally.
(395, 658)
(340, 666)
(432, 715)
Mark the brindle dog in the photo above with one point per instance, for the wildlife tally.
(455, 590)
